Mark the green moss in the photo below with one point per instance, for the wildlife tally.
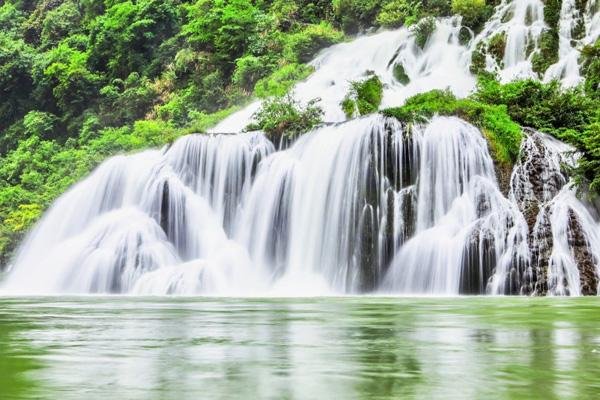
(423, 30)
(400, 74)
(364, 97)
(503, 134)
(496, 47)
(548, 52)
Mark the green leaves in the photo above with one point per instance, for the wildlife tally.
(281, 81)
(222, 26)
(284, 117)
(364, 97)
(127, 36)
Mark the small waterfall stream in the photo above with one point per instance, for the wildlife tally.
(366, 205)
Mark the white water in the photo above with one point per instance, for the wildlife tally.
(522, 23)
(443, 63)
(567, 68)
(360, 206)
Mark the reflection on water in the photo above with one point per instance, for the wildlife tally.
(342, 348)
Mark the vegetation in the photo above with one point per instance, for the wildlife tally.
(363, 98)
(473, 12)
(285, 118)
(548, 53)
(591, 69)
(501, 109)
(503, 134)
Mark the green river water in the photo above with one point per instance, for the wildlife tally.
(316, 348)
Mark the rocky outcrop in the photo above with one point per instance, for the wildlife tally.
(536, 182)
(584, 258)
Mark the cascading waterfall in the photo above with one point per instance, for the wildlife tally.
(366, 205)
(443, 63)
(464, 228)
(520, 25)
(564, 232)
(571, 20)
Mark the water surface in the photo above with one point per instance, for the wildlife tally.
(321, 348)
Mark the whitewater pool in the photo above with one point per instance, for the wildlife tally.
(318, 348)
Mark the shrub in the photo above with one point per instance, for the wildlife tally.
(356, 15)
(249, 69)
(201, 121)
(541, 106)
(423, 30)
(548, 52)
(590, 68)
(473, 12)
(284, 117)
(400, 12)
(400, 74)
(364, 97)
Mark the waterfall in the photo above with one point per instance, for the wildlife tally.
(443, 63)
(464, 226)
(368, 205)
(571, 19)
(518, 25)
(361, 206)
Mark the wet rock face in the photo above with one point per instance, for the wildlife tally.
(541, 247)
(536, 182)
(537, 177)
(584, 258)
(478, 260)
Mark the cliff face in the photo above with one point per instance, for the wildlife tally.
(556, 220)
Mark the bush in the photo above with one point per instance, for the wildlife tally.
(473, 12)
(248, 70)
(590, 69)
(285, 118)
(363, 98)
(541, 106)
(400, 74)
(548, 52)
(125, 101)
(356, 15)
(201, 121)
